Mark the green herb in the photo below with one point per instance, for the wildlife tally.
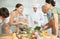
(37, 28)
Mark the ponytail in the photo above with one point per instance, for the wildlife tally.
(53, 3)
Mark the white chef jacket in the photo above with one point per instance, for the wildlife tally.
(38, 17)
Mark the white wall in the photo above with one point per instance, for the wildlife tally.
(58, 3)
(10, 4)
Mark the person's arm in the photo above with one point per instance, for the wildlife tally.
(55, 24)
(7, 30)
(12, 19)
(6, 26)
(49, 24)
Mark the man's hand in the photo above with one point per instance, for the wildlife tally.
(44, 27)
(35, 22)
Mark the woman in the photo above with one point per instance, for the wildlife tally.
(17, 17)
(50, 4)
(4, 21)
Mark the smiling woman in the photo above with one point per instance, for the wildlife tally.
(17, 18)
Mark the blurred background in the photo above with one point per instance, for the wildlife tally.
(10, 4)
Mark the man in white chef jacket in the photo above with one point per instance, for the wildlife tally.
(36, 16)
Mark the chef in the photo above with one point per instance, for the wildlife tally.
(36, 16)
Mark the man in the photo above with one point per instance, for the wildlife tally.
(48, 14)
(36, 16)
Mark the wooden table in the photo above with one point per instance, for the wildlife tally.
(3, 36)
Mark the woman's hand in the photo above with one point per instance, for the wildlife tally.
(25, 22)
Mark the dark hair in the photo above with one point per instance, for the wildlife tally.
(52, 2)
(18, 5)
(4, 12)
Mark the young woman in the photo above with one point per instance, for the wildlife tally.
(4, 21)
(50, 4)
(17, 17)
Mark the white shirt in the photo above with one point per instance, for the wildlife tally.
(7, 19)
(46, 21)
(38, 17)
(1, 24)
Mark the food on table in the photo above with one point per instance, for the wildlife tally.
(14, 36)
(37, 28)
(43, 32)
(17, 31)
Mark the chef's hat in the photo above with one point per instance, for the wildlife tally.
(36, 5)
